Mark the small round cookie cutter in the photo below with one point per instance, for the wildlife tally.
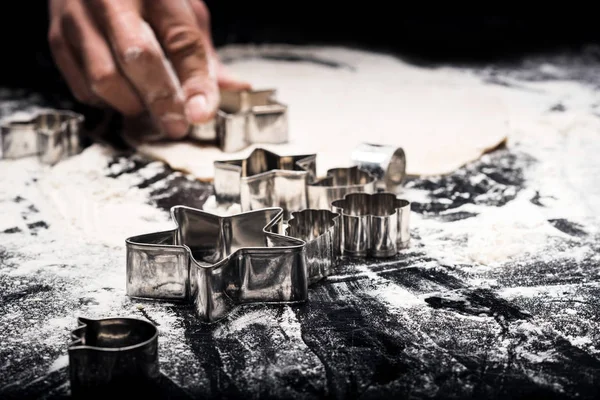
(386, 163)
(107, 354)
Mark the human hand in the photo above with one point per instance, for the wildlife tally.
(141, 55)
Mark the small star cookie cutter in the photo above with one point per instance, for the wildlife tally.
(319, 229)
(51, 135)
(265, 179)
(218, 263)
(245, 117)
(106, 354)
(375, 225)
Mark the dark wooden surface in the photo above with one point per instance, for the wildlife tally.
(465, 339)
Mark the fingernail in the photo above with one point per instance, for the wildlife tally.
(196, 109)
(175, 125)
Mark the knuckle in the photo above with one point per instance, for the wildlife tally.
(103, 78)
(184, 41)
(161, 97)
(140, 52)
(82, 94)
(69, 19)
(55, 39)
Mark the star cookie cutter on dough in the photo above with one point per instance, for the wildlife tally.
(338, 183)
(106, 354)
(374, 225)
(265, 179)
(52, 135)
(245, 117)
(218, 262)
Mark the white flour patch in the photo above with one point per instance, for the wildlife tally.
(244, 321)
(547, 292)
(70, 222)
(496, 235)
(395, 296)
(290, 355)
(102, 209)
(211, 205)
(59, 363)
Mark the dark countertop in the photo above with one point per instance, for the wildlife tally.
(416, 326)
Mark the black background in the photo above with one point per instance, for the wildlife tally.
(381, 26)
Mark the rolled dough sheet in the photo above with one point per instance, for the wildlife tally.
(442, 118)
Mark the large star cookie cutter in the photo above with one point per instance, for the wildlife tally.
(51, 135)
(265, 179)
(106, 354)
(218, 263)
(245, 117)
(374, 225)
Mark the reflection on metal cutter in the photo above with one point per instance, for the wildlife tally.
(245, 118)
(217, 263)
(265, 179)
(52, 135)
(386, 163)
(319, 229)
(107, 354)
(338, 183)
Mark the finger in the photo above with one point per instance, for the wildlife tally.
(101, 72)
(225, 79)
(190, 52)
(142, 60)
(67, 64)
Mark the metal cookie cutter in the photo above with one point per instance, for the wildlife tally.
(265, 179)
(106, 355)
(387, 163)
(338, 183)
(319, 229)
(374, 225)
(217, 263)
(245, 118)
(52, 135)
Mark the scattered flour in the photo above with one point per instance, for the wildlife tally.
(395, 296)
(496, 235)
(103, 209)
(89, 215)
(211, 205)
(70, 222)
